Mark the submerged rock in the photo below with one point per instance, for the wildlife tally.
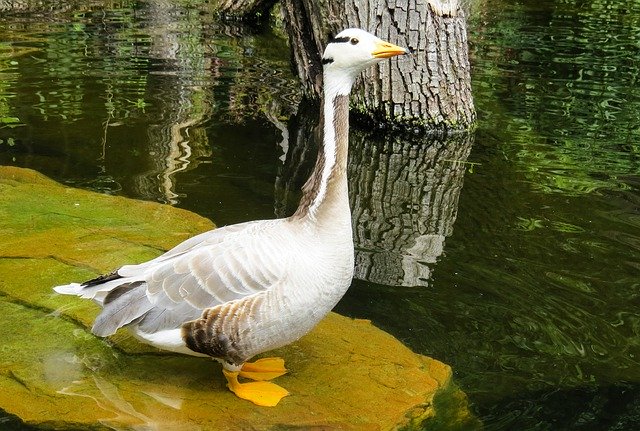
(346, 374)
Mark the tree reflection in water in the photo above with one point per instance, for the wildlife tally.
(403, 190)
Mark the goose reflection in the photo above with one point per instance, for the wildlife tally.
(403, 192)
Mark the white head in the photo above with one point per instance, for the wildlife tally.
(349, 53)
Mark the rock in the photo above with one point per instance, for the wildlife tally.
(346, 374)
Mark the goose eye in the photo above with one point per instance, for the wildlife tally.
(354, 41)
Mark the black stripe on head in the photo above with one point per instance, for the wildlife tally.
(342, 39)
(327, 60)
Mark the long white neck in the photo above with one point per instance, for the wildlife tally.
(325, 195)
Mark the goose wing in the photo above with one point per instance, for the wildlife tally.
(209, 238)
(242, 263)
(213, 268)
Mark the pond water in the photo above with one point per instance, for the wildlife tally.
(513, 255)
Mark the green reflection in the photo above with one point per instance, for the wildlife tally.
(119, 97)
(565, 77)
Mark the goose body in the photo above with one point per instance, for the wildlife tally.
(240, 290)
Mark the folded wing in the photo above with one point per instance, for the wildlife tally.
(211, 269)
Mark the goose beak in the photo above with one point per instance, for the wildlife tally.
(385, 50)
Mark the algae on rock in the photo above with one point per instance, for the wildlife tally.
(346, 374)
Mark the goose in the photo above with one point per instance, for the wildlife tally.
(240, 290)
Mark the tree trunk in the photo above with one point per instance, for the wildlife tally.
(244, 8)
(430, 89)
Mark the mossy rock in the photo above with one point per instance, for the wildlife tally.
(346, 374)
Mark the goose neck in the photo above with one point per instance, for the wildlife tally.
(326, 193)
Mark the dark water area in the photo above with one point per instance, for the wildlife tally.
(512, 255)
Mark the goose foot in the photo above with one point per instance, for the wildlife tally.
(260, 393)
(263, 369)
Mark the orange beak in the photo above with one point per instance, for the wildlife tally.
(385, 50)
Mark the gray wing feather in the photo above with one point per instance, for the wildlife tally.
(210, 269)
(212, 274)
(158, 319)
(204, 239)
(127, 303)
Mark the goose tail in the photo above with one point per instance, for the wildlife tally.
(123, 300)
(96, 289)
(69, 289)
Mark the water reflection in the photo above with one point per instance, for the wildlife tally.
(120, 391)
(120, 100)
(403, 192)
(178, 141)
(565, 75)
(404, 198)
(123, 410)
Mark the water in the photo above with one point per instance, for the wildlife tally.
(511, 255)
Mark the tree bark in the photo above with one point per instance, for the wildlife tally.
(243, 8)
(431, 88)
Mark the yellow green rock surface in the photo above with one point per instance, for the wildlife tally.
(54, 373)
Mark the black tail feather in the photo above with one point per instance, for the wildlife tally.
(102, 279)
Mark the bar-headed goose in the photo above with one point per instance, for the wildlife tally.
(240, 290)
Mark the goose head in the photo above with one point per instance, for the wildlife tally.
(350, 52)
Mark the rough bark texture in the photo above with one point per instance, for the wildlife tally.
(243, 8)
(431, 88)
